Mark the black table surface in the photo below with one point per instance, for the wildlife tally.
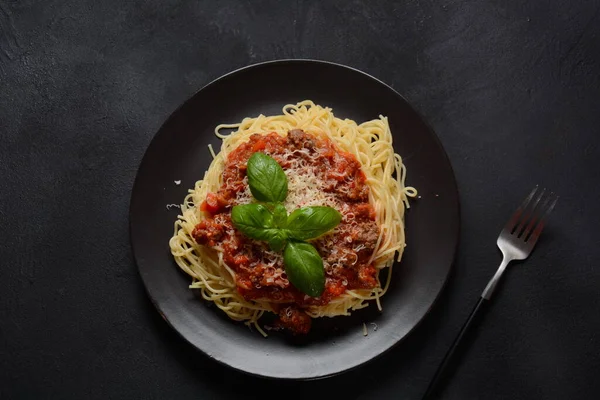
(512, 88)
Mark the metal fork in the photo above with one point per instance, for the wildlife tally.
(516, 241)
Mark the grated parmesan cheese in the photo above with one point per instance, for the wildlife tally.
(305, 187)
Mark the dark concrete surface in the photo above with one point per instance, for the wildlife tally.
(512, 89)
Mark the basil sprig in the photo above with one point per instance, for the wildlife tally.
(311, 222)
(304, 268)
(270, 222)
(266, 178)
(280, 216)
(255, 221)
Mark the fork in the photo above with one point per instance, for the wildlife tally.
(516, 241)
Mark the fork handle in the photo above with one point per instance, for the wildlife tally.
(459, 344)
(493, 283)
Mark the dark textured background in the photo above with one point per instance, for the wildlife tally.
(512, 88)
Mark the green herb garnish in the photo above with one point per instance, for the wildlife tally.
(255, 221)
(311, 222)
(269, 222)
(266, 178)
(304, 268)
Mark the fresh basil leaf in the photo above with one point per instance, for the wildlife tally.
(266, 178)
(280, 216)
(311, 222)
(304, 268)
(255, 221)
(277, 242)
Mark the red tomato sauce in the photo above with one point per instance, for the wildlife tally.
(346, 252)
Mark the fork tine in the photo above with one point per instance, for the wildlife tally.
(512, 222)
(531, 211)
(535, 235)
(536, 217)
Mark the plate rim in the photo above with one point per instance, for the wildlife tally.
(166, 122)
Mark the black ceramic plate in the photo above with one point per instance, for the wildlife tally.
(179, 152)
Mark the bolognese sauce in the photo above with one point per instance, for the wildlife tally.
(318, 173)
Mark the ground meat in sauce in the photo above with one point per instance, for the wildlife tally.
(346, 252)
(299, 139)
(293, 319)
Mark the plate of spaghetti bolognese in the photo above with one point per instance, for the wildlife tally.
(294, 219)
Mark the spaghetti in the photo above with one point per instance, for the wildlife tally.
(383, 172)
